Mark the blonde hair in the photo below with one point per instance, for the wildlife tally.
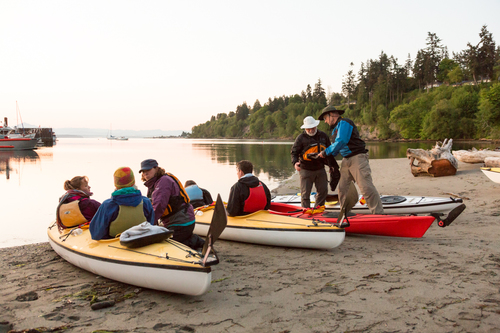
(76, 183)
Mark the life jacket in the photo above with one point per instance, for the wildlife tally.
(128, 217)
(314, 148)
(70, 214)
(194, 192)
(257, 199)
(176, 202)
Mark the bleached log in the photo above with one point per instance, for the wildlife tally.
(492, 162)
(474, 155)
(437, 162)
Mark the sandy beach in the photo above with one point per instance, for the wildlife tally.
(446, 281)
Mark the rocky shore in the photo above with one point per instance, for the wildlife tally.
(446, 281)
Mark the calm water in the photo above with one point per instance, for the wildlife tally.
(32, 181)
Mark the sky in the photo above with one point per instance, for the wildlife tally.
(171, 65)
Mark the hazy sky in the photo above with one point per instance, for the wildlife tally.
(171, 65)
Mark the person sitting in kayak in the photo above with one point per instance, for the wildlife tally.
(249, 194)
(126, 208)
(197, 196)
(75, 206)
(170, 203)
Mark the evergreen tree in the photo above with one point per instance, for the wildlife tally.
(348, 83)
(309, 93)
(319, 95)
(256, 106)
(486, 54)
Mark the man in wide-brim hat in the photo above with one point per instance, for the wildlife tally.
(311, 169)
(355, 164)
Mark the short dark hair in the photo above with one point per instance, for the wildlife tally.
(189, 183)
(245, 166)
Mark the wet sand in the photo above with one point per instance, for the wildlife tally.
(446, 281)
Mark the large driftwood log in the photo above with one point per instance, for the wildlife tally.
(474, 155)
(492, 162)
(437, 162)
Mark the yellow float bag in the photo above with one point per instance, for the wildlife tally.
(70, 214)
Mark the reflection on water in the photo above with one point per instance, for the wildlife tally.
(34, 180)
(10, 161)
(272, 159)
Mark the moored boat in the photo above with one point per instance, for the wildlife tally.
(168, 265)
(10, 141)
(265, 228)
(492, 173)
(413, 226)
(8, 144)
(392, 204)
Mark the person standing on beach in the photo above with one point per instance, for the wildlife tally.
(249, 194)
(311, 168)
(355, 163)
(171, 204)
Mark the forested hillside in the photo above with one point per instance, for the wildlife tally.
(434, 96)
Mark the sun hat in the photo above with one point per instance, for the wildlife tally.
(310, 122)
(124, 177)
(148, 165)
(329, 109)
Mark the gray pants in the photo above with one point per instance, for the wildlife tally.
(357, 168)
(307, 179)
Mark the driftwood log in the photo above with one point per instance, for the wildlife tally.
(492, 162)
(474, 155)
(437, 162)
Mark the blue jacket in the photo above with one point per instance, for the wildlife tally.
(108, 211)
(346, 140)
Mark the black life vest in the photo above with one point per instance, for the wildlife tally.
(256, 201)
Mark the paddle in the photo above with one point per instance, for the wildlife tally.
(350, 200)
(217, 226)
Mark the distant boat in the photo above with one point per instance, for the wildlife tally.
(112, 137)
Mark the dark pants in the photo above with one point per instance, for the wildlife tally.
(307, 179)
(184, 235)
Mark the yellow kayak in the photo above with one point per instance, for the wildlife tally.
(265, 228)
(168, 266)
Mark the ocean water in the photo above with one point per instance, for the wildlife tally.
(31, 182)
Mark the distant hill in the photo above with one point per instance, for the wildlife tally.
(97, 132)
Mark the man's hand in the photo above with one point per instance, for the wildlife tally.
(322, 154)
(297, 166)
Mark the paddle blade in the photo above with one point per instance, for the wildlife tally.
(217, 225)
(350, 200)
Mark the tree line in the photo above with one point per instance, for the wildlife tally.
(434, 96)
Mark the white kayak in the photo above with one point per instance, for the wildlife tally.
(396, 205)
(492, 173)
(167, 265)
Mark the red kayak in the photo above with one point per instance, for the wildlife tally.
(413, 226)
